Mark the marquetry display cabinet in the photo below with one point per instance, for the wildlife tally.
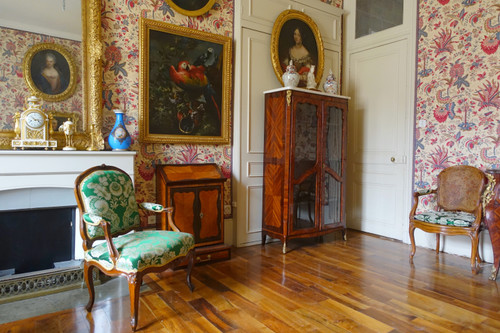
(304, 164)
(196, 192)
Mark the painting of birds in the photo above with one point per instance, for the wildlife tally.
(193, 79)
(186, 83)
(189, 77)
(207, 59)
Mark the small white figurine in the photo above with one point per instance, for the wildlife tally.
(68, 127)
(311, 79)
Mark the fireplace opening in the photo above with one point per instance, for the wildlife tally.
(36, 239)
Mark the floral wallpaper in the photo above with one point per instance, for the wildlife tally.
(336, 3)
(458, 78)
(13, 88)
(120, 31)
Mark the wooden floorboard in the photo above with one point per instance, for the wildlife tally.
(364, 284)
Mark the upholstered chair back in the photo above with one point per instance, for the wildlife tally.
(460, 188)
(109, 194)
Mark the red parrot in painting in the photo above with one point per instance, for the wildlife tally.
(189, 77)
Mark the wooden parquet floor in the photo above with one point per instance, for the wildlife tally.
(363, 285)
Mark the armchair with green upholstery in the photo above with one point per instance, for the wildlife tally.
(459, 210)
(109, 211)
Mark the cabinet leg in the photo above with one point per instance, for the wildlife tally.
(263, 238)
(344, 234)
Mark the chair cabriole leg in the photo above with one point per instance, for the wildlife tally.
(89, 281)
(134, 283)
(473, 255)
(412, 241)
(189, 268)
(438, 240)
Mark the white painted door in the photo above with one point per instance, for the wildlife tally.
(257, 76)
(379, 76)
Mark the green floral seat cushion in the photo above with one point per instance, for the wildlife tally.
(110, 194)
(139, 250)
(457, 219)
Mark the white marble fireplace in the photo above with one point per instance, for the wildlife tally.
(41, 179)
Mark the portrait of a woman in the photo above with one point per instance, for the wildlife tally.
(50, 72)
(297, 44)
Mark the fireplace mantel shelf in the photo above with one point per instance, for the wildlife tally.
(41, 168)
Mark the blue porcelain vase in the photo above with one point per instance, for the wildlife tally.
(119, 138)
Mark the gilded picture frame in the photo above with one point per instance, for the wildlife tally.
(295, 36)
(185, 84)
(191, 7)
(50, 72)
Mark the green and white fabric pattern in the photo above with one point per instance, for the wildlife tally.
(457, 219)
(153, 207)
(139, 250)
(110, 195)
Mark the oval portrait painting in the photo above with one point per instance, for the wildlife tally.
(296, 38)
(50, 72)
(191, 7)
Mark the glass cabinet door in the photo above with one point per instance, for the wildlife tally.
(332, 182)
(304, 160)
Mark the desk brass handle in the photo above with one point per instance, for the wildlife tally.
(198, 259)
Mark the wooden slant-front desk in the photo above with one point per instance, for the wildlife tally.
(196, 192)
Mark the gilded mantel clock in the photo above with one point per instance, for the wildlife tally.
(33, 127)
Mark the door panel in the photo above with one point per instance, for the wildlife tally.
(380, 80)
(262, 12)
(332, 187)
(183, 202)
(377, 131)
(209, 213)
(305, 154)
(378, 96)
(257, 76)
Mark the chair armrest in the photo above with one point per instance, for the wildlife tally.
(96, 220)
(152, 207)
(424, 192)
(416, 195)
(92, 219)
(157, 208)
(170, 219)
